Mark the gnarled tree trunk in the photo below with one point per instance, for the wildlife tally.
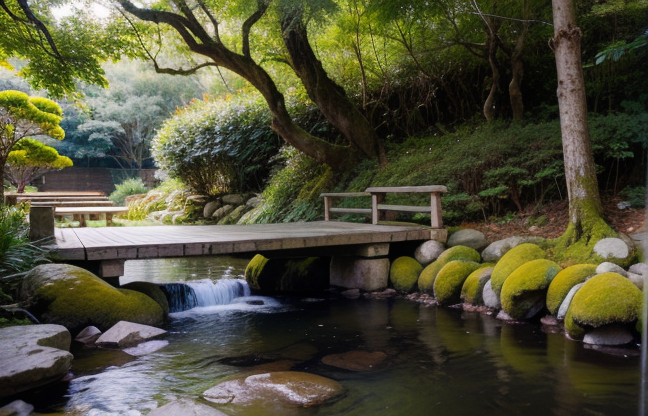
(517, 69)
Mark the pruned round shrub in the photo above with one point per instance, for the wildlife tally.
(218, 146)
(450, 280)
(527, 286)
(513, 259)
(473, 288)
(132, 186)
(608, 298)
(564, 281)
(429, 274)
(404, 274)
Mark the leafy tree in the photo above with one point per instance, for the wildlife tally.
(58, 55)
(29, 160)
(201, 35)
(24, 116)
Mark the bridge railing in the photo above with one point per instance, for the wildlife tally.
(379, 209)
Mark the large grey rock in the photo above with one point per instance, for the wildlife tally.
(612, 248)
(497, 249)
(469, 238)
(222, 211)
(287, 388)
(428, 251)
(491, 300)
(32, 356)
(127, 334)
(254, 202)
(608, 267)
(210, 208)
(359, 273)
(233, 199)
(17, 408)
(608, 335)
(88, 335)
(564, 306)
(184, 407)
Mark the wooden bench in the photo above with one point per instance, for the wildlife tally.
(79, 213)
(11, 198)
(379, 208)
(72, 204)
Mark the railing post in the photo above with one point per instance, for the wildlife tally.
(376, 198)
(435, 210)
(41, 223)
(327, 208)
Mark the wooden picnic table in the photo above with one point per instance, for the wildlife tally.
(79, 213)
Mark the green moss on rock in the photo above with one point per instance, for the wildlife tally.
(429, 274)
(404, 274)
(608, 298)
(513, 259)
(473, 288)
(75, 298)
(272, 276)
(450, 280)
(527, 286)
(151, 290)
(564, 281)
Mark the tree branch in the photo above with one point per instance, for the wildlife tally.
(262, 6)
(211, 17)
(40, 26)
(180, 71)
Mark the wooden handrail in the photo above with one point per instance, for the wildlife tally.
(378, 208)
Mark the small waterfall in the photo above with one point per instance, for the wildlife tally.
(205, 292)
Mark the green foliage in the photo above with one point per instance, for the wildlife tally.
(30, 159)
(133, 186)
(292, 193)
(218, 147)
(635, 195)
(170, 203)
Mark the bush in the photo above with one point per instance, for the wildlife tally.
(218, 147)
(129, 187)
(170, 202)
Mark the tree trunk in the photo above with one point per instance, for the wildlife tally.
(585, 209)
(329, 97)
(3, 161)
(491, 45)
(517, 68)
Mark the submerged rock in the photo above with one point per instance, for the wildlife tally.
(356, 360)
(285, 388)
(32, 356)
(75, 298)
(126, 334)
(17, 408)
(184, 407)
(608, 335)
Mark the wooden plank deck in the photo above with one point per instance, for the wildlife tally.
(128, 243)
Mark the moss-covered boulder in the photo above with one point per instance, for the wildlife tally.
(429, 274)
(526, 288)
(450, 280)
(151, 290)
(513, 259)
(75, 298)
(606, 299)
(404, 274)
(564, 281)
(473, 288)
(297, 276)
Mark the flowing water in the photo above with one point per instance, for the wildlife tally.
(440, 361)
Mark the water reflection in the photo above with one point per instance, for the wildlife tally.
(440, 361)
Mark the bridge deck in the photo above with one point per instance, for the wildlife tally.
(128, 243)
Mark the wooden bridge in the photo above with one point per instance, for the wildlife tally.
(108, 248)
